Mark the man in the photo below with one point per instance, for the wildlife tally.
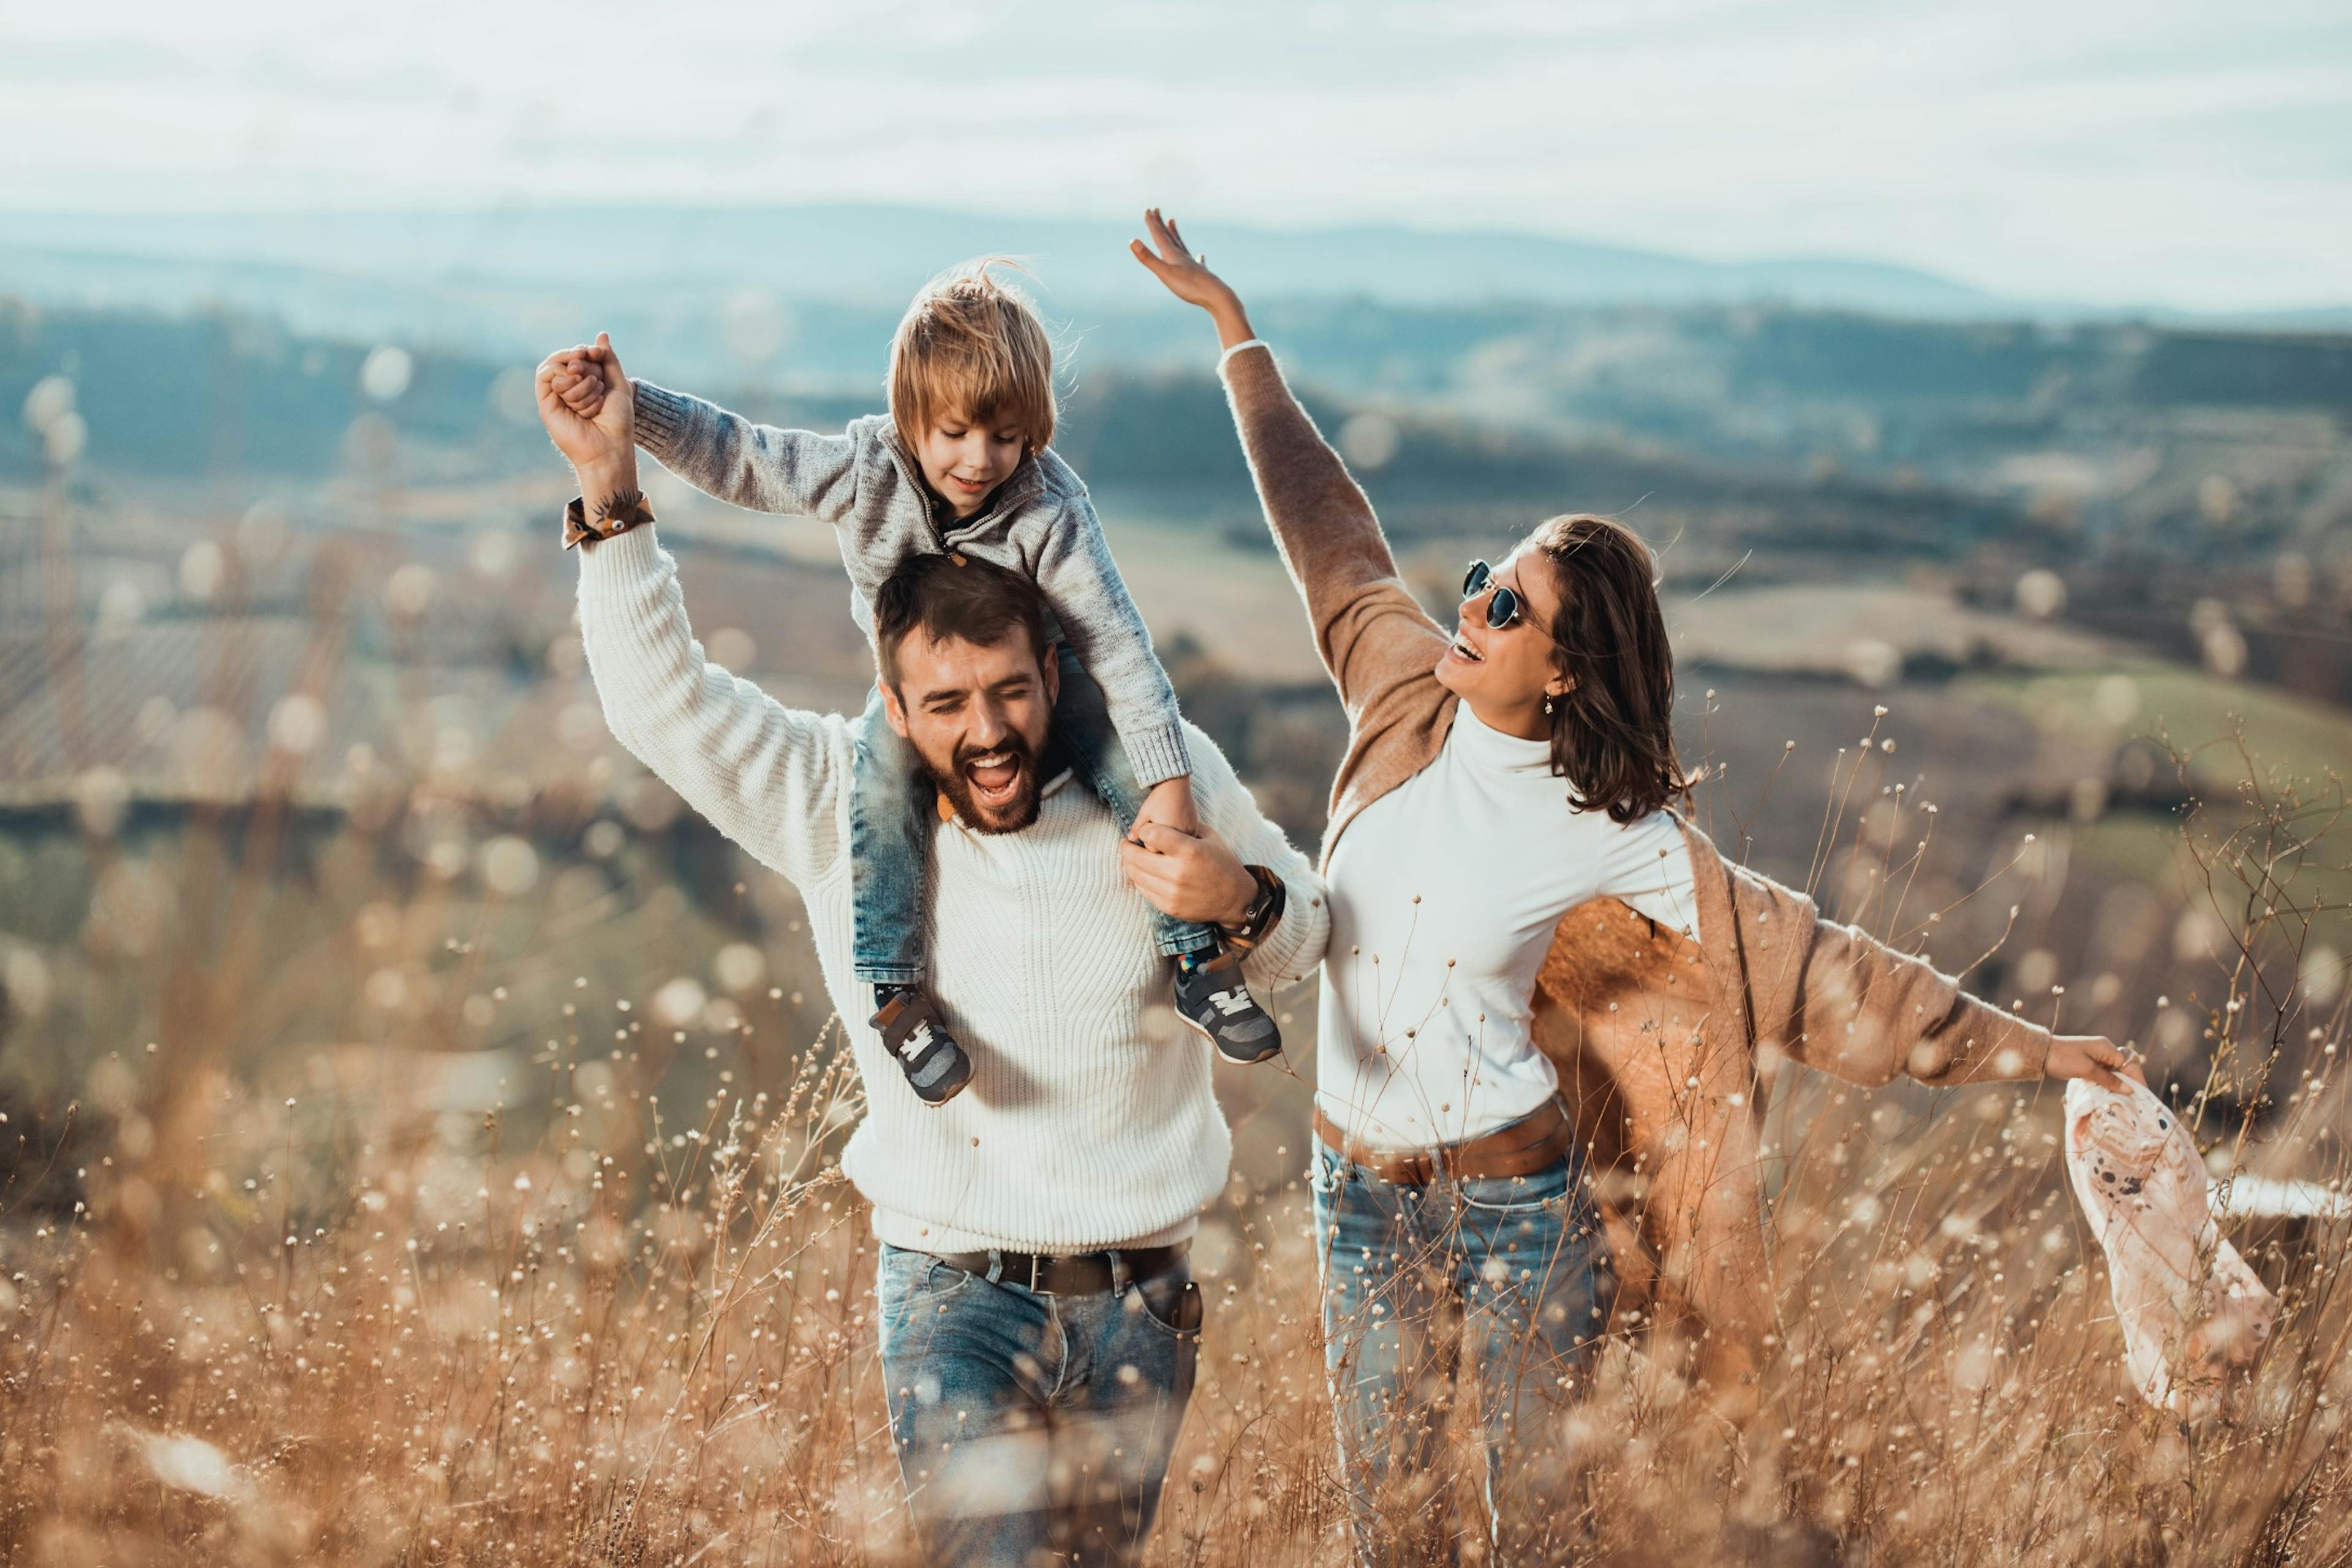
(1038, 1324)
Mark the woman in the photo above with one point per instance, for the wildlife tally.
(1511, 893)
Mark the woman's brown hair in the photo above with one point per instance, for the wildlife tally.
(1612, 734)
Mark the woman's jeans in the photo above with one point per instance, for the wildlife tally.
(1030, 1423)
(1516, 1271)
(893, 808)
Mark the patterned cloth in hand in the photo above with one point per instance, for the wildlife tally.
(2192, 1313)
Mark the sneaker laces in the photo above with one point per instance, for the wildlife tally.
(1230, 1002)
(918, 1041)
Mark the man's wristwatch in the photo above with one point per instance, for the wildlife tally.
(616, 513)
(1263, 913)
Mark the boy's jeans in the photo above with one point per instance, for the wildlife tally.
(1030, 1424)
(1515, 1269)
(892, 807)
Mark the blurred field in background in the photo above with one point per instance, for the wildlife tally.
(416, 1122)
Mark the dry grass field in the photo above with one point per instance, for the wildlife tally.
(380, 1304)
(450, 1354)
(417, 1150)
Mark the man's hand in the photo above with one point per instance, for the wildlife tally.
(1188, 278)
(2094, 1057)
(1192, 878)
(1169, 804)
(601, 441)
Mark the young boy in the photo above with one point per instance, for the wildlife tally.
(960, 465)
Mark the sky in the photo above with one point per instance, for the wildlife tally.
(2182, 153)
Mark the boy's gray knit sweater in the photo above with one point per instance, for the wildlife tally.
(864, 483)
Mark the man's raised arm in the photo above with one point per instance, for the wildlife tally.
(770, 778)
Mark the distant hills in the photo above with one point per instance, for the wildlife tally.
(805, 297)
(879, 254)
(732, 289)
(807, 294)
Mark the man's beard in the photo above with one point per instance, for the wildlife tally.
(1011, 815)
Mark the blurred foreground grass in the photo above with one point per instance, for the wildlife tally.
(383, 1311)
(451, 1351)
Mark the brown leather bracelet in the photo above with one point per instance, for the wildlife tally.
(616, 513)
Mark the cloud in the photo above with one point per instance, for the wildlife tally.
(2168, 152)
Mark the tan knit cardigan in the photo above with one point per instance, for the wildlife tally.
(1665, 1046)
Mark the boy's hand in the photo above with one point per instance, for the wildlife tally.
(1169, 804)
(601, 445)
(580, 383)
(2090, 1055)
(1188, 278)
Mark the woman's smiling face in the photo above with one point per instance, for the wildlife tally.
(1505, 672)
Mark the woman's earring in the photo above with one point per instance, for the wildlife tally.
(1548, 704)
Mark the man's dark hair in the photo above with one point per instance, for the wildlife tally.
(947, 596)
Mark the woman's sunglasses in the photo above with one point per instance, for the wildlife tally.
(1503, 607)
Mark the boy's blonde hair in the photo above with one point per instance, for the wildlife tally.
(972, 345)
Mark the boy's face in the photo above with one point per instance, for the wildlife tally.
(965, 458)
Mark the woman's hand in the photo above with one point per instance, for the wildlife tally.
(1189, 278)
(1191, 878)
(601, 445)
(2094, 1057)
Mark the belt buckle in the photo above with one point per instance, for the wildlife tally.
(1039, 1265)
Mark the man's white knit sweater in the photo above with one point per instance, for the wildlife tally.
(1090, 1120)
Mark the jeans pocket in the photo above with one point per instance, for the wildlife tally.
(909, 1280)
(1170, 1304)
(1322, 1182)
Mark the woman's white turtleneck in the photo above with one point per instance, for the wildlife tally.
(1444, 893)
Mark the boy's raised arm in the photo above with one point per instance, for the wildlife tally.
(762, 468)
(1107, 632)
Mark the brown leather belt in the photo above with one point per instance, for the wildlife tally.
(1075, 1273)
(1516, 1149)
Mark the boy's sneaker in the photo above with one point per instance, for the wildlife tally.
(1211, 997)
(935, 1067)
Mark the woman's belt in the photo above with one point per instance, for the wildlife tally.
(1515, 1148)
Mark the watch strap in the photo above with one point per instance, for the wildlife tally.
(616, 513)
(1265, 910)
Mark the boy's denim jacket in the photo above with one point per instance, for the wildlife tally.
(865, 482)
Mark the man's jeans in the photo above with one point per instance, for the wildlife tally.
(892, 806)
(1513, 1270)
(1033, 1428)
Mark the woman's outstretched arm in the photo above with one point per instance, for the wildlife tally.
(1367, 625)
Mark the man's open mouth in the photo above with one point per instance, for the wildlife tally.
(995, 777)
